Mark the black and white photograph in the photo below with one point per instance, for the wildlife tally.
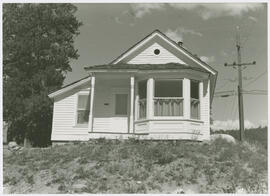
(134, 97)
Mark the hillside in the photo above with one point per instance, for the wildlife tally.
(132, 166)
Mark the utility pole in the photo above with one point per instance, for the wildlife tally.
(239, 65)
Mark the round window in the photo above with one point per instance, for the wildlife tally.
(156, 51)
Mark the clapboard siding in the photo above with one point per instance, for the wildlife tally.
(166, 126)
(113, 125)
(104, 119)
(102, 125)
(64, 114)
(205, 109)
(141, 127)
(148, 56)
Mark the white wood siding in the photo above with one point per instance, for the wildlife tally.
(105, 119)
(176, 130)
(148, 56)
(167, 127)
(64, 114)
(141, 127)
(205, 108)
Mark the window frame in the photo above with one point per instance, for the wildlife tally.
(195, 99)
(121, 93)
(82, 93)
(137, 105)
(182, 98)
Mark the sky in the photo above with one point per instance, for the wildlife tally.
(208, 30)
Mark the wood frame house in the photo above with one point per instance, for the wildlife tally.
(157, 89)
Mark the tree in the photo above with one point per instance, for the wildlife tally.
(38, 44)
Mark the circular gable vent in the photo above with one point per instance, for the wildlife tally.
(156, 51)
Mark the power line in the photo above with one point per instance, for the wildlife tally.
(256, 78)
(225, 84)
(256, 92)
(230, 93)
(233, 105)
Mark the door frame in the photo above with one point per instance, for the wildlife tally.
(121, 91)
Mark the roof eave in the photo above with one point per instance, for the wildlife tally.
(69, 87)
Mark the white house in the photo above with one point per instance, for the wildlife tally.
(156, 89)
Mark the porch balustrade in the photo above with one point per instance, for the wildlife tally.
(142, 108)
(168, 106)
(194, 108)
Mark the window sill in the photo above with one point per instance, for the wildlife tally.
(169, 119)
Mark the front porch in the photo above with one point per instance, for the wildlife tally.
(170, 105)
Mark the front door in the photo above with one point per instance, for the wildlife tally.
(121, 111)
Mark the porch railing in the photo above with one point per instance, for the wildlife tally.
(168, 106)
(142, 108)
(195, 108)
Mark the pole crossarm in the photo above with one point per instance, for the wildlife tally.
(225, 93)
(239, 64)
(255, 92)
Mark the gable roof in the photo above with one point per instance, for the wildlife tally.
(181, 49)
(70, 86)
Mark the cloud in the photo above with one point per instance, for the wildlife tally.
(177, 34)
(174, 35)
(117, 20)
(253, 19)
(125, 17)
(231, 125)
(223, 53)
(141, 9)
(263, 123)
(205, 11)
(214, 10)
(208, 59)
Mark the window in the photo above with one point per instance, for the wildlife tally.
(142, 85)
(142, 89)
(194, 99)
(168, 99)
(156, 51)
(121, 104)
(83, 109)
(168, 88)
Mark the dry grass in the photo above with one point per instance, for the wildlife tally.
(132, 166)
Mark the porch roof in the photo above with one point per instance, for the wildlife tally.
(125, 66)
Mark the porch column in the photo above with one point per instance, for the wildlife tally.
(186, 95)
(201, 100)
(136, 101)
(131, 117)
(149, 98)
(90, 120)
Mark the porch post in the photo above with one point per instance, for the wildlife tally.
(90, 120)
(201, 100)
(136, 102)
(149, 98)
(131, 117)
(186, 95)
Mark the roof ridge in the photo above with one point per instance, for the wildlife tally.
(155, 31)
